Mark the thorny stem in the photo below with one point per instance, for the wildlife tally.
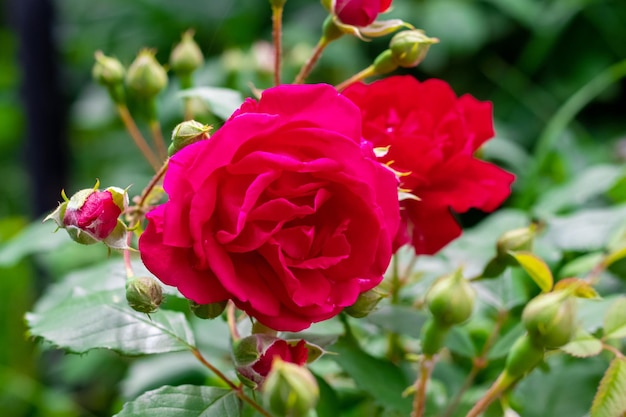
(157, 138)
(499, 386)
(394, 352)
(232, 322)
(277, 28)
(137, 137)
(315, 56)
(479, 363)
(419, 400)
(367, 72)
(237, 388)
(127, 263)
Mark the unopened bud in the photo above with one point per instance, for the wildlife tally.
(107, 70)
(253, 356)
(515, 240)
(186, 57)
(208, 311)
(290, 390)
(186, 133)
(91, 215)
(550, 319)
(523, 357)
(365, 303)
(451, 299)
(330, 30)
(144, 294)
(146, 77)
(409, 47)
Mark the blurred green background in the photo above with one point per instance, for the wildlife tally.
(542, 63)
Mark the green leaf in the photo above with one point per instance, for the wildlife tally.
(586, 230)
(610, 400)
(35, 238)
(398, 319)
(460, 342)
(378, 377)
(536, 268)
(503, 345)
(221, 101)
(580, 288)
(581, 265)
(583, 345)
(104, 320)
(615, 320)
(184, 401)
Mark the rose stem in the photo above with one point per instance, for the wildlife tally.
(127, 264)
(315, 56)
(277, 29)
(237, 388)
(367, 72)
(419, 400)
(232, 322)
(498, 387)
(134, 132)
(155, 129)
(477, 364)
(394, 349)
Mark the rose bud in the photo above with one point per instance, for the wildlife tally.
(146, 77)
(186, 57)
(109, 72)
(91, 215)
(549, 319)
(186, 133)
(359, 12)
(515, 240)
(409, 47)
(523, 357)
(253, 356)
(365, 303)
(451, 299)
(207, 311)
(144, 294)
(290, 390)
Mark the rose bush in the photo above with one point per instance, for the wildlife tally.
(284, 210)
(360, 12)
(432, 137)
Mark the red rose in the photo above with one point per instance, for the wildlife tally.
(92, 212)
(282, 210)
(432, 135)
(253, 356)
(360, 12)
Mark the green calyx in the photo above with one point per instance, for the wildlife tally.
(146, 77)
(290, 390)
(365, 303)
(186, 57)
(208, 311)
(523, 357)
(409, 47)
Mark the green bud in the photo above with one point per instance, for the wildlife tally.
(365, 303)
(146, 77)
(208, 311)
(107, 70)
(290, 390)
(409, 47)
(451, 299)
(186, 133)
(433, 336)
(186, 57)
(515, 240)
(523, 357)
(384, 63)
(550, 319)
(144, 294)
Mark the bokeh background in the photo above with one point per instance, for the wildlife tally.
(553, 68)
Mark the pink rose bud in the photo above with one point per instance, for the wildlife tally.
(359, 12)
(253, 356)
(91, 215)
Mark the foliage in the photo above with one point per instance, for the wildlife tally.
(556, 93)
